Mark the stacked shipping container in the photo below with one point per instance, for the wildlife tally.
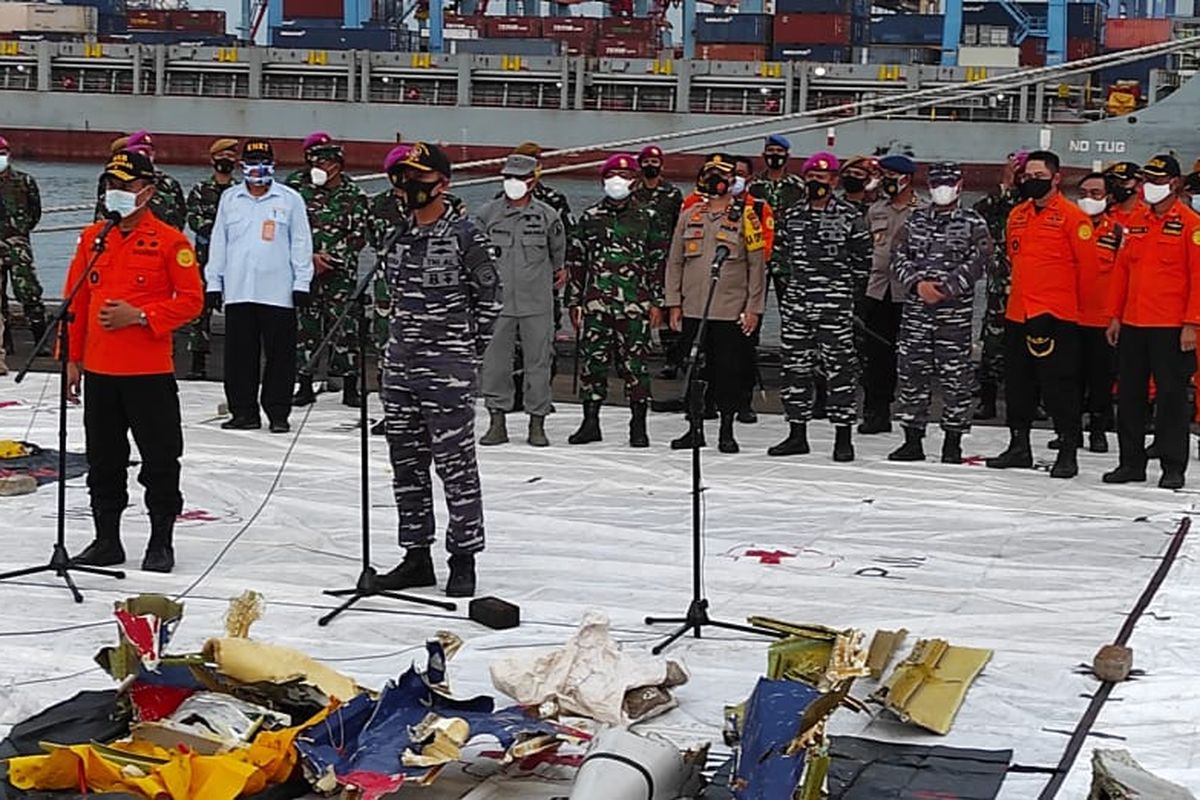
(906, 39)
(820, 30)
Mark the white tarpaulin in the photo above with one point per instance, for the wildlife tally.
(1041, 571)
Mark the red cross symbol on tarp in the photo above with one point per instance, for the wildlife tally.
(769, 556)
(197, 515)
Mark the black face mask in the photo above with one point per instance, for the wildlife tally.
(652, 171)
(1122, 193)
(817, 190)
(853, 185)
(418, 194)
(775, 160)
(224, 166)
(1035, 188)
(892, 187)
(713, 185)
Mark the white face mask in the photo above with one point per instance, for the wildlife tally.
(318, 176)
(616, 187)
(1092, 207)
(1156, 192)
(3, 162)
(873, 184)
(515, 188)
(121, 201)
(1196, 202)
(739, 186)
(943, 195)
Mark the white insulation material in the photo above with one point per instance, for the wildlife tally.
(1041, 571)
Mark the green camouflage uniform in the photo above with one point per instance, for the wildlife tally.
(556, 200)
(780, 196)
(387, 210)
(168, 202)
(202, 203)
(20, 212)
(995, 209)
(616, 260)
(340, 221)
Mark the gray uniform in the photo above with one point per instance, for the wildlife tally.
(827, 254)
(445, 297)
(530, 243)
(953, 249)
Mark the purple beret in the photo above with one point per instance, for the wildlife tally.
(618, 161)
(826, 162)
(139, 141)
(650, 151)
(3, 143)
(317, 138)
(395, 156)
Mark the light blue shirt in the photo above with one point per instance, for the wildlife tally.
(261, 248)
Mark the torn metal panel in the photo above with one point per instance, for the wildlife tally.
(770, 721)
(884, 645)
(928, 687)
(209, 724)
(249, 661)
(145, 624)
(1116, 775)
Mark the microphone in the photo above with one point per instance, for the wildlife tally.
(111, 220)
(722, 254)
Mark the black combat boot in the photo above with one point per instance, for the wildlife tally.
(637, 424)
(796, 443)
(589, 429)
(351, 396)
(105, 550)
(305, 396)
(1066, 465)
(379, 427)
(160, 551)
(987, 401)
(1017, 455)
(497, 432)
(37, 327)
(843, 448)
(199, 368)
(461, 582)
(747, 415)
(416, 570)
(875, 422)
(1097, 434)
(1171, 479)
(911, 450)
(537, 431)
(687, 441)
(952, 447)
(726, 443)
(1125, 473)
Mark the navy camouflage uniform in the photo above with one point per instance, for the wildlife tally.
(828, 256)
(780, 195)
(20, 212)
(995, 209)
(445, 298)
(202, 202)
(953, 249)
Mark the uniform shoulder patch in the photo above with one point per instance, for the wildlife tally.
(1085, 231)
(1196, 236)
(186, 257)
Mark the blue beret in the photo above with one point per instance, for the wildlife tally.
(901, 164)
(779, 141)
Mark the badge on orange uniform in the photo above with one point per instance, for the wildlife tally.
(268, 230)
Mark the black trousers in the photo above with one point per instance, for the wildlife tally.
(1098, 365)
(259, 336)
(147, 406)
(725, 353)
(1041, 358)
(881, 322)
(1143, 353)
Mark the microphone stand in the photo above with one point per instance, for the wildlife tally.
(696, 618)
(60, 563)
(368, 579)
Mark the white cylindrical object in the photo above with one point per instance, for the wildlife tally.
(624, 766)
(1045, 135)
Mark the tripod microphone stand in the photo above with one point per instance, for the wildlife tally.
(696, 618)
(368, 578)
(60, 563)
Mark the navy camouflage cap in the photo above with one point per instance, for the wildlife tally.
(945, 172)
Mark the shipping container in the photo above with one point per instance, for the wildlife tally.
(172, 37)
(45, 18)
(1137, 71)
(1033, 52)
(625, 47)
(732, 52)
(831, 29)
(989, 56)
(1079, 49)
(1126, 34)
(733, 28)
(619, 27)
(909, 29)
(555, 26)
(576, 44)
(513, 27)
(857, 8)
(110, 8)
(334, 38)
(198, 21)
(149, 19)
(1084, 20)
(507, 47)
(892, 54)
(311, 22)
(324, 9)
(825, 54)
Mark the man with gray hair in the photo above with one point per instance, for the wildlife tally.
(530, 245)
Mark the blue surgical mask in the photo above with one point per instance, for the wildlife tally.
(258, 174)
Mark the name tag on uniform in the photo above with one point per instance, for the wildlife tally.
(439, 278)
(268, 230)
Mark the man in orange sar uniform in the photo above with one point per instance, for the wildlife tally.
(1155, 309)
(142, 288)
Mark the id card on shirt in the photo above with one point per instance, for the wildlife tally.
(268, 230)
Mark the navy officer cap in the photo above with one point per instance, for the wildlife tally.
(778, 141)
(902, 165)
